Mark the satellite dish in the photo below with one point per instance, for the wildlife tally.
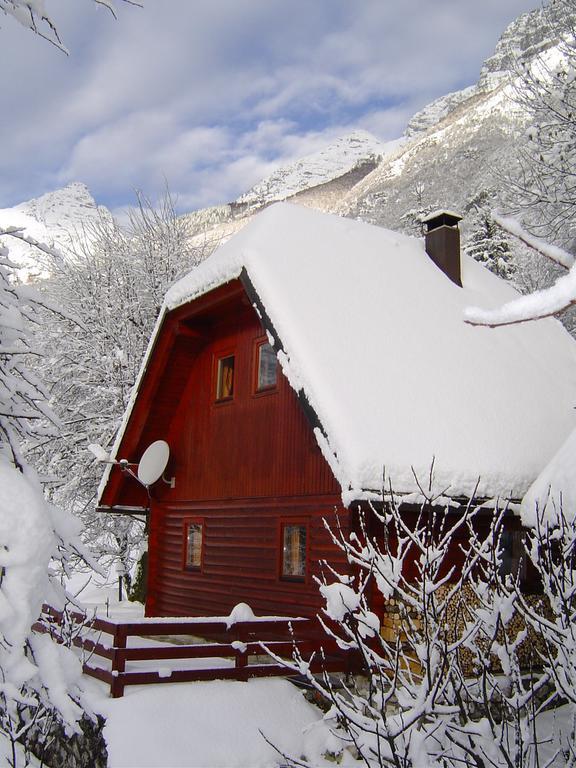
(153, 462)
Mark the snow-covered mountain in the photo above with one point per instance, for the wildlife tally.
(461, 147)
(319, 180)
(454, 153)
(54, 219)
(358, 151)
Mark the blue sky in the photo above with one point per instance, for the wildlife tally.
(209, 96)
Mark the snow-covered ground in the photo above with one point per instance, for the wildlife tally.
(220, 724)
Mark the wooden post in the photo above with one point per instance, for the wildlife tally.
(118, 663)
(241, 655)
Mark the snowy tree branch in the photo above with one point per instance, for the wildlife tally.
(552, 252)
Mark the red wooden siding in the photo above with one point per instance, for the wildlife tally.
(252, 445)
(241, 465)
(240, 561)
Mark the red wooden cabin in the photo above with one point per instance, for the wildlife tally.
(244, 520)
(288, 369)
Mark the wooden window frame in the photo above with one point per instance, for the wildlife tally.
(186, 523)
(217, 358)
(282, 524)
(260, 391)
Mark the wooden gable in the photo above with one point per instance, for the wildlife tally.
(244, 467)
(255, 444)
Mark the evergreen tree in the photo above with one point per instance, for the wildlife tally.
(487, 244)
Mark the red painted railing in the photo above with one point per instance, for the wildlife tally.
(237, 652)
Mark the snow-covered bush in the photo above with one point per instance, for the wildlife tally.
(541, 195)
(438, 626)
(551, 548)
(39, 680)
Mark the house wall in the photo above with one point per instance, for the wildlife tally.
(242, 467)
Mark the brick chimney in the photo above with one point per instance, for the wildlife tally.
(442, 242)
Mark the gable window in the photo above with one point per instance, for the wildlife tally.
(266, 367)
(225, 378)
(193, 544)
(294, 547)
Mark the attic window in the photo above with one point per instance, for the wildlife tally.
(225, 378)
(266, 367)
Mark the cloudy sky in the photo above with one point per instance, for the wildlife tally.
(209, 96)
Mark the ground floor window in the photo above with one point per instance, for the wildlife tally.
(193, 544)
(294, 540)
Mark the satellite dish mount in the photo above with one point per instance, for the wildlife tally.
(151, 466)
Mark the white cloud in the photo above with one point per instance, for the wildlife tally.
(212, 94)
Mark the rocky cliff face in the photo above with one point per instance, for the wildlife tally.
(357, 151)
(320, 180)
(461, 148)
(526, 37)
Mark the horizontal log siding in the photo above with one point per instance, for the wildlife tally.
(241, 561)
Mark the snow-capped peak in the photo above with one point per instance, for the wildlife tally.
(68, 207)
(55, 218)
(343, 155)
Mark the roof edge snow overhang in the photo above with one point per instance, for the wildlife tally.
(278, 346)
(123, 509)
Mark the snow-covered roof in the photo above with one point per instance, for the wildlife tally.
(441, 212)
(552, 495)
(372, 332)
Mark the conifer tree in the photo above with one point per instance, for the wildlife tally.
(488, 245)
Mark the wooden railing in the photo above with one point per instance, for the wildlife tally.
(238, 651)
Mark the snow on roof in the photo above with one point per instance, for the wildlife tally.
(553, 494)
(372, 331)
(441, 212)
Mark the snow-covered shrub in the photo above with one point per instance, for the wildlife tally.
(39, 680)
(551, 547)
(544, 187)
(430, 616)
